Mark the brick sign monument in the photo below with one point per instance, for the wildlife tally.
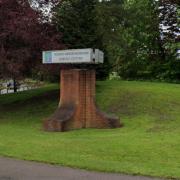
(77, 108)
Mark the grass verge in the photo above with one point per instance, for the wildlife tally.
(148, 144)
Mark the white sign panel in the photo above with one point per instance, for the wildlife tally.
(99, 56)
(77, 56)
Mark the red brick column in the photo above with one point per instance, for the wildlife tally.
(77, 107)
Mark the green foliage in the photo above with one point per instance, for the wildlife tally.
(114, 76)
(129, 33)
(169, 17)
(76, 19)
(131, 36)
(148, 144)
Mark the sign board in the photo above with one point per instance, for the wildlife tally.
(74, 56)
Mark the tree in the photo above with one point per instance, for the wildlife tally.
(23, 36)
(131, 36)
(169, 11)
(76, 20)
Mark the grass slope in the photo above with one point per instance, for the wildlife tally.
(148, 144)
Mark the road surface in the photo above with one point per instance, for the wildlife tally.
(11, 169)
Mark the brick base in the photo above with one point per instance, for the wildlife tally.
(77, 107)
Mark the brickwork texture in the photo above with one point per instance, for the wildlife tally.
(77, 108)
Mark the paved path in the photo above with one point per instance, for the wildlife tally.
(11, 169)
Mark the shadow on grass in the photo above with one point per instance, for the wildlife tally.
(52, 95)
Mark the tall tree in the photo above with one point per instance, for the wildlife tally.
(169, 11)
(23, 36)
(76, 20)
(131, 36)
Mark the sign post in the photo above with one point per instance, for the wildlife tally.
(77, 108)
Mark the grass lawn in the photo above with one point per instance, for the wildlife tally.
(148, 144)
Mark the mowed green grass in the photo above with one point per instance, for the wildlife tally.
(148, 144)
